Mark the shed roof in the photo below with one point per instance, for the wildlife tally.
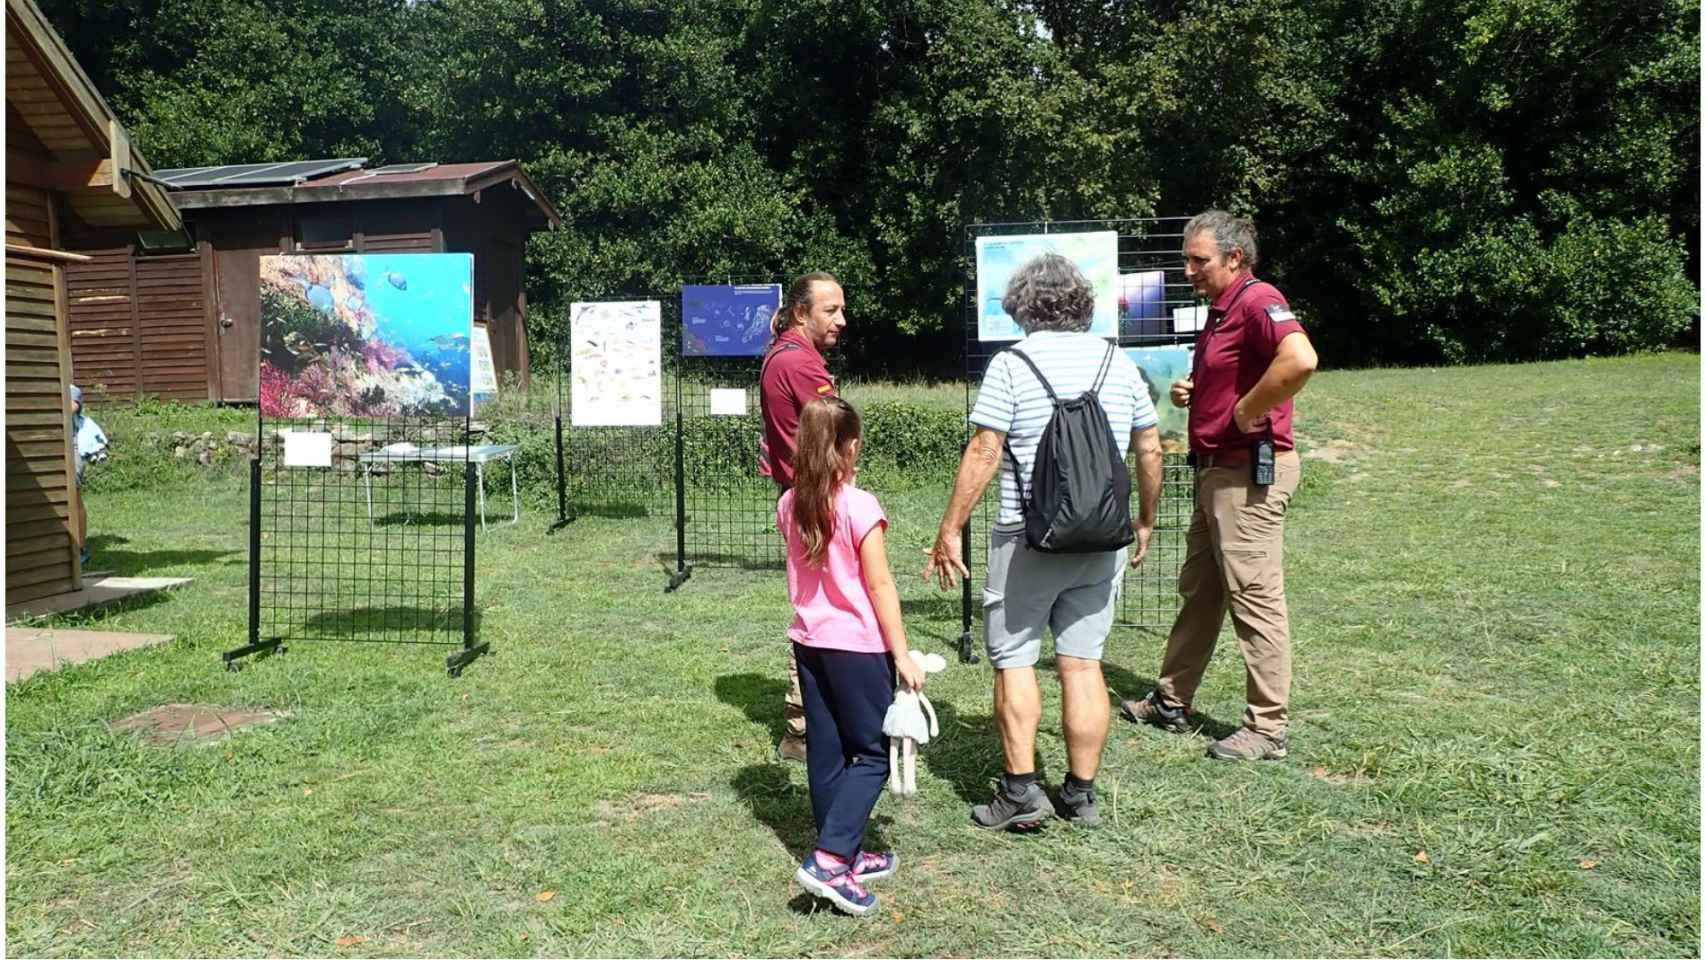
(385, 183)
(68, 138)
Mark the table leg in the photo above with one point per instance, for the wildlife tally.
(514, 494)
(480, 479)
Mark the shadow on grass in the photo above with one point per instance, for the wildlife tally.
(399, 624)
(701, 558)
(131, 563)
(758, 696)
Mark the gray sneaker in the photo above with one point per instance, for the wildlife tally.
(1152, 711)
(1005, 813)
(1079, 809)
(791, 748)
(1247, 744)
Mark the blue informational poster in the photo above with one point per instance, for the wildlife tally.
(1143, 309)
(1160, 366)
(727, 320)
(366, 335)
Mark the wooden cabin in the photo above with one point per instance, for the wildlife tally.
(200, 296)
(70, 174)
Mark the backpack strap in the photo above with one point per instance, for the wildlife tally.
(1102, 374)
(1007, 441)
(1040, 378)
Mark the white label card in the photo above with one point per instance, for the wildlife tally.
(303, 449)
(728, 403)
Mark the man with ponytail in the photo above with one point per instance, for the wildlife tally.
(793, 374)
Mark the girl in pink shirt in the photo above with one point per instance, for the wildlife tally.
(850, 644)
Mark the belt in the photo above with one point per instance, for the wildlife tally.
(1234, 457)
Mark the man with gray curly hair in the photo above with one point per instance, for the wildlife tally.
(1029, 592)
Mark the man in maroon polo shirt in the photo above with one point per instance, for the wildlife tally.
(810, 321)
(1251, 357)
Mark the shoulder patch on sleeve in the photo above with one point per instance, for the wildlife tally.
(1280, 313)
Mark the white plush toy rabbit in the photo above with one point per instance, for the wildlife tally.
(908, 729)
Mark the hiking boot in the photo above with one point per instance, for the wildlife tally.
(1079, 808)
(1247, 744)
(874, 866)
(1152, 711)
(791, 748)
(839, 887)
(1005, 813)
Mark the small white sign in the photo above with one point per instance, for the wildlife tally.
(303, 449)
(728, 403)
(1189, 319)
(484, 372)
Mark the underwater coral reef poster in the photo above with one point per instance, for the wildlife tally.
(616, 362)
(366, 335)
(1160, 366)
(727, 321)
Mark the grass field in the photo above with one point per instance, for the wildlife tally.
(1494, 580)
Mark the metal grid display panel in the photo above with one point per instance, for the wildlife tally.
(728, 508)
(364, 551)
(1148, 595)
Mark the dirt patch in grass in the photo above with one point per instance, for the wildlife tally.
(1339, 779)
(633, 809)
(193, 722)
(1335, 451)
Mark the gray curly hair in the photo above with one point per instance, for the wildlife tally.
(1230, 233)
(1050, 293)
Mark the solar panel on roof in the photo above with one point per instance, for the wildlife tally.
(402, 168)
(257, 174)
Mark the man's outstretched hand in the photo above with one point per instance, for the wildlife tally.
(942, 561)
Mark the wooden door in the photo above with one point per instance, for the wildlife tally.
(237, 249)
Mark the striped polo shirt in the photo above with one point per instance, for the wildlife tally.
(1012, 401)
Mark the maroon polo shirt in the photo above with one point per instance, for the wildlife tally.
(1245, 326)
(793, 376)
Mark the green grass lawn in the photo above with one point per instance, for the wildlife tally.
(1494, 580)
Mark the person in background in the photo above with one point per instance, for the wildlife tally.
(850, 644)
(793, 374)
(91, 444)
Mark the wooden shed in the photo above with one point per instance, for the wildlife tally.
(201, 298)
(70, 174)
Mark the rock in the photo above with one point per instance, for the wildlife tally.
(178, 436)
(205, 458)
(182, 453)
(241, 439)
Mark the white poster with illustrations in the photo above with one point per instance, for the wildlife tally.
(483, 383)
(1096, 254)
(615, 357)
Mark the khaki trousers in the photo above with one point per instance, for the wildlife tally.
(794, 704)
(1233, 554)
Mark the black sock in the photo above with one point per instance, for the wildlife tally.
(1016, 785)
(1074, 785)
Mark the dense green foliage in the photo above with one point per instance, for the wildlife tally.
(1454, 181)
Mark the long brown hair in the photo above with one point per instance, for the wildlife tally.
(823, 461)
(799, 298)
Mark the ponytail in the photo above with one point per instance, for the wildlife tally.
(823, 461)
(799, 297)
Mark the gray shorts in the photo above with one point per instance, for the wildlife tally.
(1073, 595)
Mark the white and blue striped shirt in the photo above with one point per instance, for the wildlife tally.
(1012, 401)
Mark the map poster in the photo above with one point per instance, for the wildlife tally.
(616, 362)
(1096, 254)
(727, 321)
